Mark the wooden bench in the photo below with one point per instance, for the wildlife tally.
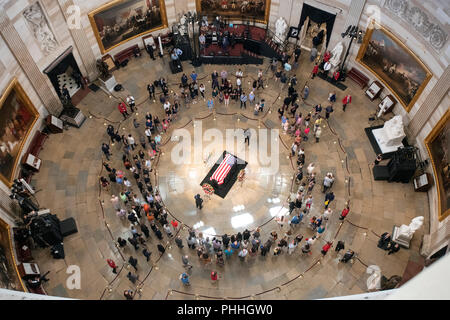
(37, 143)
(358, 77)
(34, 149)
(126, 54)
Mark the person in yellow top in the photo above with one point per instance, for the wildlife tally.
(318, 122)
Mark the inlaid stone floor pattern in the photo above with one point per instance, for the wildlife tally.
(72, 164)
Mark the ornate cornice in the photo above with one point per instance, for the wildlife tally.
(420, 20)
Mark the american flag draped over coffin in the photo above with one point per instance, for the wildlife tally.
(224, 169)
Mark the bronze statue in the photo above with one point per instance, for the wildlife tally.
(391, 283)
(103, 69)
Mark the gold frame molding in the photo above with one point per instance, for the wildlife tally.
(7, 228)
(362, 51)
(162, 6)
(428, 140)
(15, 86)
(198, 6)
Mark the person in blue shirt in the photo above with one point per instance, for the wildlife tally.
(210, 104)
(295, 221)
(185, 279)
(243, 100)
(228, 252)
(194, 76)
(305, 92)
(251, 97)
(235, 245)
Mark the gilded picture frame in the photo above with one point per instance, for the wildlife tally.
(7, 259)
(438, 146)
(201, 10)
(15, 127)
(119, 5)
(394, 64)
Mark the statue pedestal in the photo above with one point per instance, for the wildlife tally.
(110, 83)
(389, 138)
(399, 238)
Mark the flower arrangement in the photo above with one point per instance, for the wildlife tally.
(208, 189)
(241, 175)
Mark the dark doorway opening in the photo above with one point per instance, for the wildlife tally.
(317, 16)
(65, 71)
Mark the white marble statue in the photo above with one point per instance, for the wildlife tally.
(39, 25)
(280, 30)
(393, 133)
(383, 107)
(182, 27)
(336, 54)
(408, 231)
(374, 281)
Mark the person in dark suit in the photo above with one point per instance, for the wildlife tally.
(145, 230)
(384, 241)
(150, 51)
(133, 262)
(65, 92)
(122, 242)
(147, 254)
(198, 201)
(134, 242)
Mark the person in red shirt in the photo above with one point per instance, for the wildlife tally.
(315, 71)
(336, 75)
(326, 56)
(214, 276)
(112, 264)
(344, 213)
(326, 247)
(123, 109)
(174, 224)
(347, 99)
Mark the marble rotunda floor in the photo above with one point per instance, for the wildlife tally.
(72, 164)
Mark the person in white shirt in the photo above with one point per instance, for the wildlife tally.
(148, 164)
(167, 107)
(238, 82)
(148, 133)
(312, 240)
(326, 67)
(131, 141)
(242, 254)
(239, 73)
(327, 182)
(327, 214)
(167, 229)
(131, 102)
(127, 183)
(310, 168)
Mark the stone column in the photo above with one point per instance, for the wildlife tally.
(354, 13)
(430, 104)
(20, 51)
(81, 42)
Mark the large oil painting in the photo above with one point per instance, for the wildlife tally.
(255, 9)
(9, 277)
(438, 145)
(17, 117)
(122, 20)
(394, 64)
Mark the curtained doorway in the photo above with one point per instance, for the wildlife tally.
(64, 71)
(318, 27)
